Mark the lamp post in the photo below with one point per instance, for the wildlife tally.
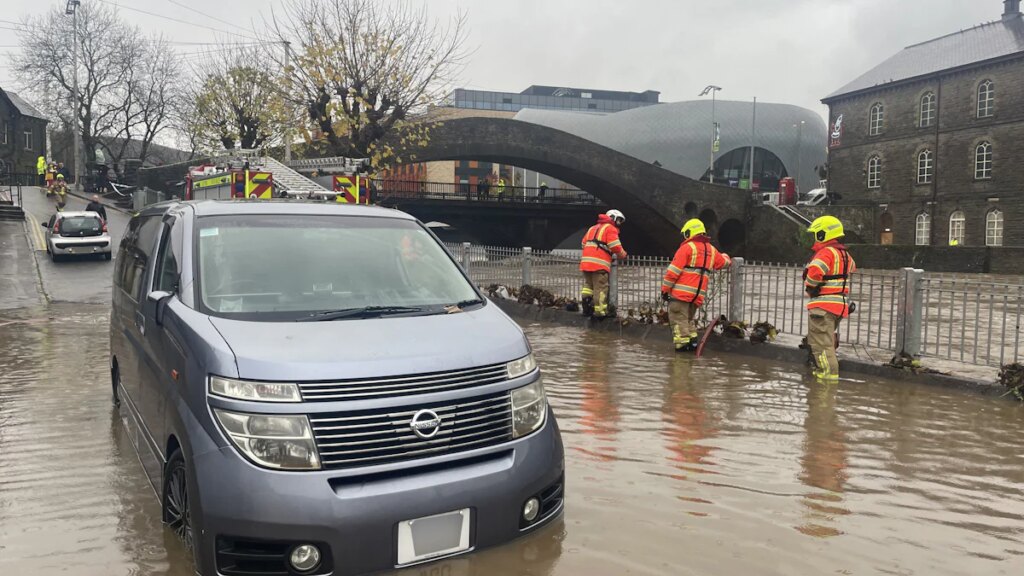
(713, 90)
(71, 9)
(799, 153)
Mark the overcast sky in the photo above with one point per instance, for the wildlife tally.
(789, 51)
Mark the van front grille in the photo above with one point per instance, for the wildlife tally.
(403, 385)
(371, 437)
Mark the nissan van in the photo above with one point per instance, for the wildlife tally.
(320, 389)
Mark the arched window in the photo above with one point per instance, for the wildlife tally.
(923, 229)
(986, 99)
(927, 115)
(925, 167)
(956, 227)
(983, 161)
(994, 228)
(876, 119)
(874, 172)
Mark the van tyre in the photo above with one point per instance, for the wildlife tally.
(177, 510)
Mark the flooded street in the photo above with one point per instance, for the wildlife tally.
(725, 465)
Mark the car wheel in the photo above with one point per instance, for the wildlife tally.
(177, 512)
(54, 257)
(115, 384)
(107, 255)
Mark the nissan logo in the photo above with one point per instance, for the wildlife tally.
(425, 423)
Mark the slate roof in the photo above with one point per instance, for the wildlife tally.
(978, 44)
(23, 106)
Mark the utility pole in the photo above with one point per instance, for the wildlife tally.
(799, 154)
(713, 90)
(71, 9)
(288, 95)
(753, 135)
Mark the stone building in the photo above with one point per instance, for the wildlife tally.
(22, 134)
(933, 139)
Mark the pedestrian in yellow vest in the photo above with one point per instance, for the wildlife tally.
(41, 170)
(499, 189)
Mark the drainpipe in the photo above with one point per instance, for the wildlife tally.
(933, 211)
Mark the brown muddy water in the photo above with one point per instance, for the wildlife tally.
(721, 466)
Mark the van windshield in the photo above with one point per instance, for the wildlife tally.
(289, 267)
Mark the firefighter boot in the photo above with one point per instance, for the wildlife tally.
(824, 372)
(601, 308)
(694, 340)
(587, 303)
(678, 340)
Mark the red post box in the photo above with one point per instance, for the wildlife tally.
(787, 191)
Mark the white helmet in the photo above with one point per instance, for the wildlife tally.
(618, 217)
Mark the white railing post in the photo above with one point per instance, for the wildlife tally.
(910, 312)
(736, 290)
(527, 256)
(464, 257)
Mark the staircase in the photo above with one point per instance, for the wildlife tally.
(8, 211)
(792, 214)
(289, 180)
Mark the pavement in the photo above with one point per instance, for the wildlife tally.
(82, 280)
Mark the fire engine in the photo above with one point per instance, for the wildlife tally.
(240, 175)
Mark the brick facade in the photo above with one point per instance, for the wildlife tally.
(952, 138)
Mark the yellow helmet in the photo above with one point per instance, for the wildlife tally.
(693, 227)
(826, 228)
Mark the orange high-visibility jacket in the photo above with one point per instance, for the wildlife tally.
(827, 278)
(599, 243)
(689, 273)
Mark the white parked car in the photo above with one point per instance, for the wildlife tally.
(813, 198)
(76, 233)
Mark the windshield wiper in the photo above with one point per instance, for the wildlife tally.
(459, 306)
(364, 312)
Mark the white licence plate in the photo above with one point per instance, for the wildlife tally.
(422, 539)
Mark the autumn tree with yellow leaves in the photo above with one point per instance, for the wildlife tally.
(363, 72)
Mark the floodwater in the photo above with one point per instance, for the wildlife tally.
(725, 465)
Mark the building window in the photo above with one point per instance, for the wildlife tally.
(956, 228)
(923, 230)
(586, 95)
(983, 161)
(877, 119)
(986, 99)
(927, 116)
(994, 228)
(925, 167)
(874, 172)
(28, 140)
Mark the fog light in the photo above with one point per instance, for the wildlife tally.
(531, 509)
(305, 558)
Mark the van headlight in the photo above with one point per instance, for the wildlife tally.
(521, 367)
(254, 391)
(529, 407)
(280, 442)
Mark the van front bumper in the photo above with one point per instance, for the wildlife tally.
(356, 514)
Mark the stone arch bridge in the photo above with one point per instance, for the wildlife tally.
(656, 201)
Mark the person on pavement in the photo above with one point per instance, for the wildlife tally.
(60, 189)
(686, 280)
(96, 206)
(41, 170)
(827, 283)
(600, 243)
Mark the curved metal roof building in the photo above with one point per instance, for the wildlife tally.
(678, 137)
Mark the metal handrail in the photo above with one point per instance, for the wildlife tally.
(416, 189)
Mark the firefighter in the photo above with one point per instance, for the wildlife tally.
(686, 282)
(499, 189)
(41, 170)
(827, 283)
(599, 244)
(60, 189)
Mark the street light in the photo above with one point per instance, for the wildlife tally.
(799, 153)
(712, 89)
(71, 9)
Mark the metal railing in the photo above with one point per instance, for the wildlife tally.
(390, 189)
(973, 320)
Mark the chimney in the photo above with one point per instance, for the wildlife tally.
(1012, 9)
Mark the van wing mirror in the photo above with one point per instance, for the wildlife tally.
(160, 298)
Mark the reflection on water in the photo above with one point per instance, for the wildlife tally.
(723, 465)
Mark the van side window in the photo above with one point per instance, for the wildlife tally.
(138, 249)
(167, 266)
(125, 256)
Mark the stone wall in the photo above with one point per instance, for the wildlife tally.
(952, 139)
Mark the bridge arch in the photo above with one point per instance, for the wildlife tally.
(654, 199)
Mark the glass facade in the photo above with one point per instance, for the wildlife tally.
(733, 169)
(561, 99)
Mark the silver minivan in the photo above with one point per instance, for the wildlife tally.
(319, 389)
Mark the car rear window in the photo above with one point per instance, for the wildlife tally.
(80, 226)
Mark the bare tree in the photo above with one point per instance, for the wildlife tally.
(125, 83)
(236, 101)
(364, 69)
